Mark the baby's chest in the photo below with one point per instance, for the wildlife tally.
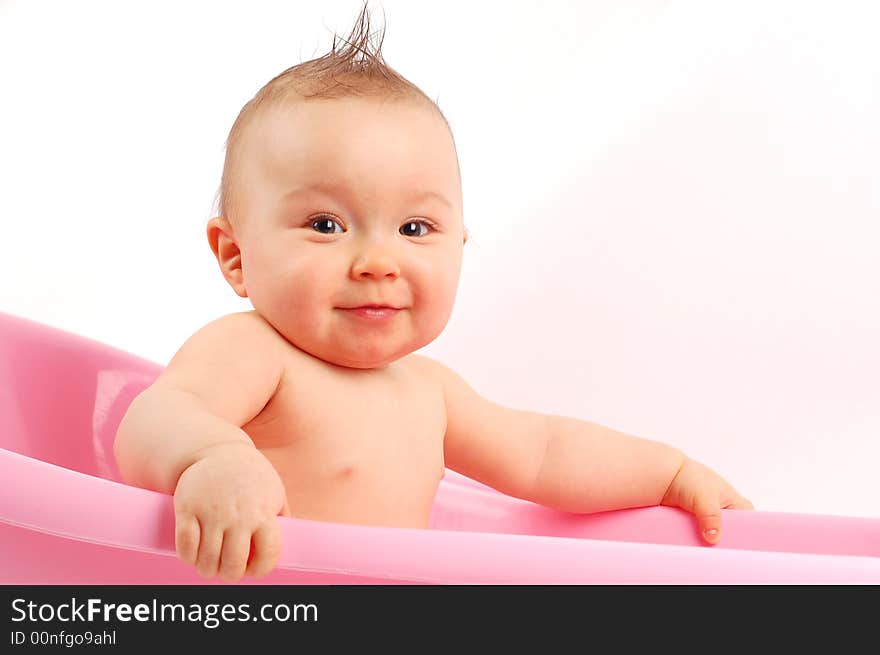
(354, 421)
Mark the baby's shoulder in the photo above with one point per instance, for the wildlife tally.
(231, 363)
(231, 339)
(246, 328)
(456, 391)
(228, 337)
(426, 369)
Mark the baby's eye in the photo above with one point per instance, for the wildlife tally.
(415, 229)
(326, 226)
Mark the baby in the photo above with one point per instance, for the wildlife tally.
(341, 221)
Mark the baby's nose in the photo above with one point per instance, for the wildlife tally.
(376, 264)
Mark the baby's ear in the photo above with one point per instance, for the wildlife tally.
(221, 238)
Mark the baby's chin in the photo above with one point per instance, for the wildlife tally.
(356, 356)
(341, 346)
(359, 361)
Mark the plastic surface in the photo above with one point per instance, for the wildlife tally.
(66, 518)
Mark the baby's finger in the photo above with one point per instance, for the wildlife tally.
(209, 551)
(708, 513)
(186, 537)
(741, 503)
(234, 555)
(267, 549)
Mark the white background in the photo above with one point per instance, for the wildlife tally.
(673, 206)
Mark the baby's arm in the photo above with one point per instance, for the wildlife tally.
(573, 465)
(182, 435)
(588, 468)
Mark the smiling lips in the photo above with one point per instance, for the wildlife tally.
(372, 312)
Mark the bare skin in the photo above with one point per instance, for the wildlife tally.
(310, 407)
(354, 445)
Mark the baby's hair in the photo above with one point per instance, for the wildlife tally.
(356, 70)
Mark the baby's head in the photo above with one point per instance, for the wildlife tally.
(341, 189)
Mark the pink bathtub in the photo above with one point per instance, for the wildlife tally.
(65, 517)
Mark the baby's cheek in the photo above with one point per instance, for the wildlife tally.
(435, 308)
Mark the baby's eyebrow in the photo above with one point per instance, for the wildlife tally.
(333, 187)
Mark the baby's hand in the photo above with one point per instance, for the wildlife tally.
(702, 492)
(230, 495)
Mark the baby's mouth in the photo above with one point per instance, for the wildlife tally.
(372, 312)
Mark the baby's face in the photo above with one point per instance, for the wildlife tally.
(348, 203)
